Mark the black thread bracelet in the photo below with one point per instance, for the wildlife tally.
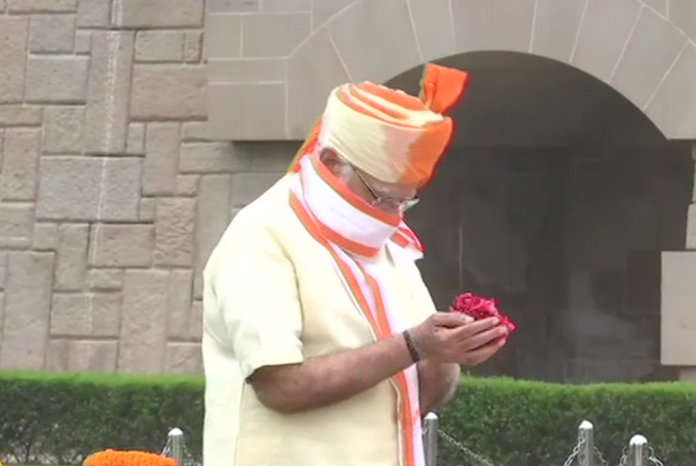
(411, 345)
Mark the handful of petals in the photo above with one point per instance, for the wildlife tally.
(480, 308)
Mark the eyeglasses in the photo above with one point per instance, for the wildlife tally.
(386, 202)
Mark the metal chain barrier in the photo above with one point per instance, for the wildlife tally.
(473, 457)
(175, 448)
(478, 460)
(600, 457)
(639, 453)
(575, 454)
(584, 453)
(652, 459)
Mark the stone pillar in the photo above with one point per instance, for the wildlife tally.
(691, 220)
(678, 319)
(678, 316)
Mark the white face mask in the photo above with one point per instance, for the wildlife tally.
(343, 215)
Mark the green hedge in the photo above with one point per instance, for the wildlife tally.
(50, 418)
(531, 423)
(61, 418)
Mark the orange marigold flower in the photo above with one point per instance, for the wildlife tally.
(128, 458)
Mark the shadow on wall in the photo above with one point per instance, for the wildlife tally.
(557, 197)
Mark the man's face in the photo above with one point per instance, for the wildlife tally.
(392, 198)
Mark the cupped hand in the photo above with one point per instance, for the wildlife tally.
(457, 338)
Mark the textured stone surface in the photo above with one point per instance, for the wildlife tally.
(683, 14)
(106, 279)
(92, 356)
(214, 213)
(56, 79)
(669, 107)
(42, 6)
(64, 130)
(27, 309)
(108, 91)
(52, 34)
(71, 260)
(267, 99)
(146, 210)
(161, 159)
(122, 246)
(305, 105)
(290, 29)
(653, 47)
(136, 139)
(180, 305)
(184, 358)
(169, 92)
(174, 227)
(83, 42)
(396, 37)
(224, 36)
(556, 28)
(237, 6)
(159, 46)
(193, 47)
(20, 115)
(19, 164)
(69, 188)
(246, 188)
(3, 269)
(605, 30)
(160, 13)
(98, 189)
(434, 28)
(94, 13)
(212, 158)
(45, 237)
(16, 225)
(143, 335)
(80, 315)
(121, 189)
(495, 25)
(14, 32)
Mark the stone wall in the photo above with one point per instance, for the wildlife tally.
(111, 196)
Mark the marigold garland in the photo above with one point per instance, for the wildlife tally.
(128, 458)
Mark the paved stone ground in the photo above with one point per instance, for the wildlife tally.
(111, 194)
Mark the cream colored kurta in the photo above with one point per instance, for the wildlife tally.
(271, 297)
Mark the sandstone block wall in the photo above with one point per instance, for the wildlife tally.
(111, 194)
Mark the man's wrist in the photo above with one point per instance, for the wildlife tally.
(413, 349)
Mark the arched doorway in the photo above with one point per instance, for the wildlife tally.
(557, 197)
(278, 63)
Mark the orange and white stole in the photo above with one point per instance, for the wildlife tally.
(328, 210)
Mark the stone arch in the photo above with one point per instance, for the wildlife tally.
(633, 46)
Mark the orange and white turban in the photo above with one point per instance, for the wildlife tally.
(393, 136)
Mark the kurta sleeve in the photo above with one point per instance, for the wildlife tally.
(255, 287)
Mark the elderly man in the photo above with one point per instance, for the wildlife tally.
(322, 345)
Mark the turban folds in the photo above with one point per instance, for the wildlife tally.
(393, 136)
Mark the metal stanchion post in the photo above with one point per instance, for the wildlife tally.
(638, 451)
(175, 441)
(586, 442)
(430, 426)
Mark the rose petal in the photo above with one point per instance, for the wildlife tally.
(479, 308)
